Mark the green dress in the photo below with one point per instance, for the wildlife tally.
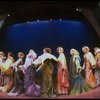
(47, 76)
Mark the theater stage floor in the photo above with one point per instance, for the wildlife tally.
(95, 93)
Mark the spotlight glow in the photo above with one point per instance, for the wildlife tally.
(80, 10)
(77, 9)
(8, 15)
(37, 20)
(27, 21)
(50, 19)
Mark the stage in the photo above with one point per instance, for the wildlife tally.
(95, 93)
(38, 25)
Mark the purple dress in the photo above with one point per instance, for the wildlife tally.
(30, 87)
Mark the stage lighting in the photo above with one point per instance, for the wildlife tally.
(50, 19)
(80, 10)
(37, 20)
(99, 4)
(8, 15)
(27, 21)
(60, 19)
(77, 9)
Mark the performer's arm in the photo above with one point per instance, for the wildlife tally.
(39, 68)
(92, 60)
(22, 68)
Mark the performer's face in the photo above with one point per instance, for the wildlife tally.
(1, 55)
(8, 54)
(44, 51)
(86, 50)
(60, 50)
(19, 55)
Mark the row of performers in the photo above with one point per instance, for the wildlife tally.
(17, 77)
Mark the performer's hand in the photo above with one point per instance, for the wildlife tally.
(16, 69)
(34, 65)
(23, 71)
(37, 70)
(76, 76)
(93, 66)
(83, 68)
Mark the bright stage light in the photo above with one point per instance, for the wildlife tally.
(8, 15)
(50, 19)
(99, 3)
(27, 21)
(37, 20)
(77, 9)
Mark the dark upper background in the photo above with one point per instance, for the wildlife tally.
(29, 10)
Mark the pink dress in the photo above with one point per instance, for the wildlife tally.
(62, 75)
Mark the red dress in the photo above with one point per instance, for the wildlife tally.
(89, 61)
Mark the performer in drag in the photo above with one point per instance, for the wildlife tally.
(46, 64)
(18, 87)
(97, 69)
(89, 64)
(8, 73)
(2, 60)
(30, 87)
(78, 83)
(62, 73)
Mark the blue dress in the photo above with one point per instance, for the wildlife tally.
(79, 86)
